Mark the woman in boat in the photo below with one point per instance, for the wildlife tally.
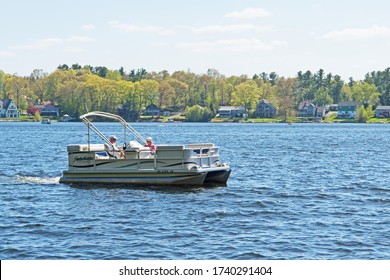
(150, 145)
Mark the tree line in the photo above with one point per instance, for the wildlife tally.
(78, 89)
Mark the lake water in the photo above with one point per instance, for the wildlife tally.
(301, 191)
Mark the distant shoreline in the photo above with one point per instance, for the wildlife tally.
(256, 121)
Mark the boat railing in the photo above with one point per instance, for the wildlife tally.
(85, 119)
(201, 155)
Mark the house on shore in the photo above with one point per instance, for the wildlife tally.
(8, 109)
(382, 112)
(50, 110)
(347, 109)
(333, 107)
(264, 109)
(152, 110)
(230, 112)
(46, 109)
(321, 112)
(307, 109)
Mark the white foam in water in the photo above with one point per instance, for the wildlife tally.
(38, 180)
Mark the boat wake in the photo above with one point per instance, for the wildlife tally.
(38, 180)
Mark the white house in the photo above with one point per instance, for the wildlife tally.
(8, 109)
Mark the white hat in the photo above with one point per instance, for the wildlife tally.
(149, 139)
(113, 137)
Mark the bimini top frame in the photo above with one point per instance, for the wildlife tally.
(125, 125)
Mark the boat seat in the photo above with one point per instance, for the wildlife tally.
(112, 154)
(101, 155)
(134, 145)
(170, 151)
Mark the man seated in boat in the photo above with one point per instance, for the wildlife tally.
(150, 145)
(114, 148)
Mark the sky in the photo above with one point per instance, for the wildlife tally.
(235, 37)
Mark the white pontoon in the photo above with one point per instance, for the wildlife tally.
(192, 164)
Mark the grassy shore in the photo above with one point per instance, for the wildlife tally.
(331, 119)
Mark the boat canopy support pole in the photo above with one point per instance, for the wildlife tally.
(90, 125)
(126, 126)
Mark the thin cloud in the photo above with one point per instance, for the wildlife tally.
(237, 45)
(88, 27)
(358, 33)
(74, 50)
(136, 28)
(279, 43)
(40, 44)
(236, 28)
(249, 13)
(80, 39)
(6, 54)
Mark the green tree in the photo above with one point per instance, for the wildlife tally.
(247, 94)
(191, 80)
(76, 66)
(130, 104)
(139, 95)
(37, 74)
(268, 93)
(273, 77)
(381, 79)
(345, 93)
(150, 90)
(284, 92)
(205, 81)
(166, 91)
(305, 87)
(69, 93)
(54, 80)
(138, 75)
(229, 90)
(2, 79)
(336, 84)
(91, 94)
(17, 88)
(82, 88)
(363, 114)
(39, 87)
(365, 93)
(37, 116)
(180, 90)
(197, 113)
(110, 94)
(322, 97)
(100, 71)
(113, 75)
(63, 67)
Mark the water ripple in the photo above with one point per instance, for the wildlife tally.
(299, 192)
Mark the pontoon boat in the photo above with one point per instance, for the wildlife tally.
(192, 164)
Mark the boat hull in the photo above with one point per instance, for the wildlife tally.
(139, 178)
(219, 176)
